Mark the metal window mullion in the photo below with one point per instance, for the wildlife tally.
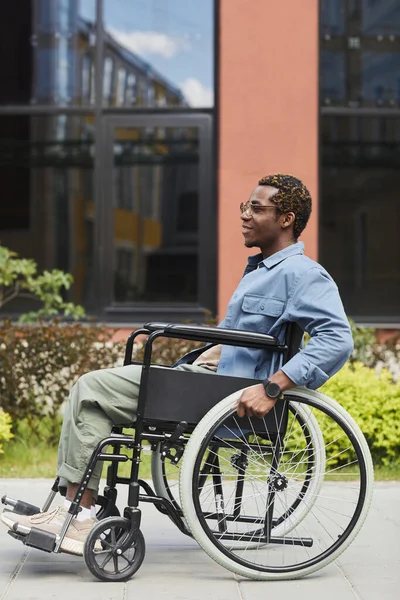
(99, 253)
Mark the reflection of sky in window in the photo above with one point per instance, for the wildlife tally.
(107, 78)
(175, 37)
(121, 80)
(131, 88)
(45, 59)
(380, 17)
(333, 75)
(380, 75)
(86, 73)
(332, 16)
(64, 69)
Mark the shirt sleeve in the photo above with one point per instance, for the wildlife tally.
(316, 307)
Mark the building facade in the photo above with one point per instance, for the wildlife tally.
(130, 132)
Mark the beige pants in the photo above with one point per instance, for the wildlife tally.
(97, 401)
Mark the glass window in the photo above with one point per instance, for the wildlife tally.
(131, 89)
(156, 180)
(151, 95)
(333, 85)
(380, 17)
(86, 77)
(47, 207)
(360, 53)
(381, 73)
(121, 84)
(167, 43)
(360, 212)
(92, 85)
(332, 18)
(42, 50)
(108, 79)
(359, 207)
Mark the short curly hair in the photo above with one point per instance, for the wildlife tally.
(292, 196)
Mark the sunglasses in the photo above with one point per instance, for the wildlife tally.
(253, 208)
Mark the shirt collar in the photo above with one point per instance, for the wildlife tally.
(271, 261)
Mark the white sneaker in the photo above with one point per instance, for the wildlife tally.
(52, 521)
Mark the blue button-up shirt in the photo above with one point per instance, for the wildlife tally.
(288, 287)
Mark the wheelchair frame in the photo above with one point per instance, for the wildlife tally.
(172, 439)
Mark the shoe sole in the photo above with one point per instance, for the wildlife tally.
(8, 522)
(68, 545)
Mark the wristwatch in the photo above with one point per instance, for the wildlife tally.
(272, 389)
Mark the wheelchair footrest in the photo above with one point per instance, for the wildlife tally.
(20, 507)
(35, 538)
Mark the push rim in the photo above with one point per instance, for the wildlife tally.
(356, 481)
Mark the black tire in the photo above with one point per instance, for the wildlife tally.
(113, 562)
(335, 512)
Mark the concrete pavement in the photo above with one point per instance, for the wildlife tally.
(176, 568)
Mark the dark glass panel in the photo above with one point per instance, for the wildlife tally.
(155, 195)
(45, 45)
(360, 53)
(360, 212)
(47, 206)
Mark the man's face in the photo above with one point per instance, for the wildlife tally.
(261, 226)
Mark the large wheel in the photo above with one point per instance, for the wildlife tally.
(301, 422)
(262, 501)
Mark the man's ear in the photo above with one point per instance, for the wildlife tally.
(288, 219)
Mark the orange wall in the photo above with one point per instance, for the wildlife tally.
(268, 115)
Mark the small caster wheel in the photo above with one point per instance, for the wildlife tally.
(106, 553)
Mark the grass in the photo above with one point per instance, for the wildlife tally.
(20, 460)
(39, 460)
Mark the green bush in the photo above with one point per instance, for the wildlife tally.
(5, 429)
(374, 402)
(40, 363)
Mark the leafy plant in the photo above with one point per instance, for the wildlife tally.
(364, 343)
(19, 277)
(374, 402)
(5, 429)
(40, 363)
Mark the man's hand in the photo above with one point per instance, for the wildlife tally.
(254, 402)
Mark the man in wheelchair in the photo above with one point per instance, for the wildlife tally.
(280, 286)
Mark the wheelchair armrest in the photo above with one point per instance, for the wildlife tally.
(156, 326)
(231, 337)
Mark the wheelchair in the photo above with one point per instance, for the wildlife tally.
(268, 499)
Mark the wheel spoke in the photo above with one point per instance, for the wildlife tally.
(283, 477)
(107, 564)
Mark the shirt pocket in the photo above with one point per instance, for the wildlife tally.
(260, 313)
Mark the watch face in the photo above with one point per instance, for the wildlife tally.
(273, 390)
